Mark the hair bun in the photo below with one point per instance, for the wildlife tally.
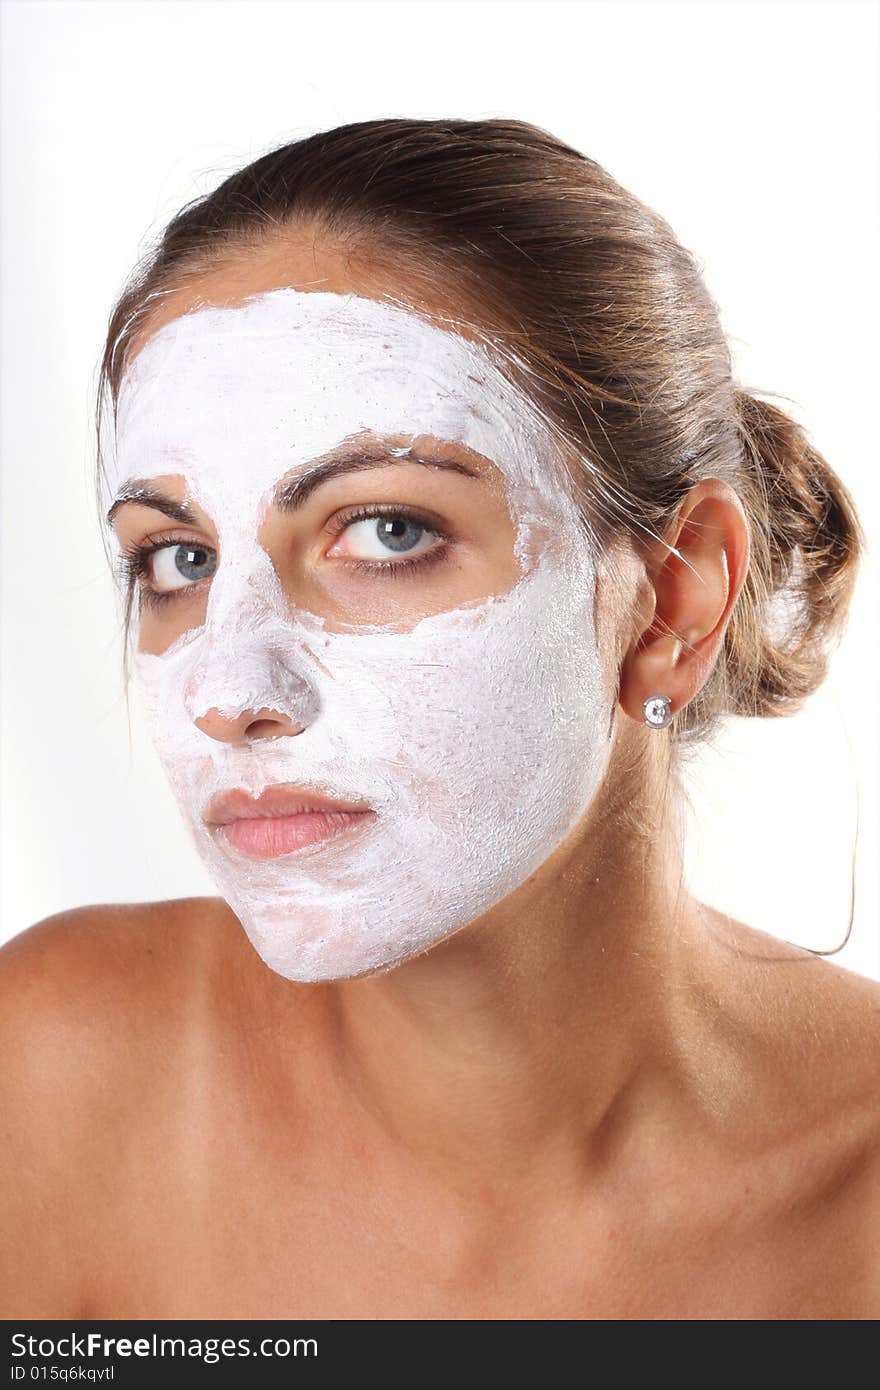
(806, 545)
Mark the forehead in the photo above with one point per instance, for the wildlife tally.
(237, 397)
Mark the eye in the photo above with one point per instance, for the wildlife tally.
(165, 567)
(380, 534)
(176, 566)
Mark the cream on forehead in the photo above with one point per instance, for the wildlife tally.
(479, 736)
(235, 398)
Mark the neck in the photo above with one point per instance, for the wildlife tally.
(529, 1040)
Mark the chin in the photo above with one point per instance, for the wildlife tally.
(323, 961)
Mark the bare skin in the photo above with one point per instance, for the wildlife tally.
(600, 1100)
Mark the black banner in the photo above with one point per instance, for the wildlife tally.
(128, 1355)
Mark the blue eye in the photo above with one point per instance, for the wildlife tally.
(175, 566)
(386, 532)
(166, 567)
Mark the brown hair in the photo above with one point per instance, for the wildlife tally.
(594, 293)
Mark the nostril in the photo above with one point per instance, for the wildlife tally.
(248, 726)
(275, 726)
(268, 728)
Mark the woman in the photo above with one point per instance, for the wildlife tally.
(454, 1041)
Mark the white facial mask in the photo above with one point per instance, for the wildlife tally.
(479, 736)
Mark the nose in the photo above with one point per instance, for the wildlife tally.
(247, 726)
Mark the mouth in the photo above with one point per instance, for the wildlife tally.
(283, 819)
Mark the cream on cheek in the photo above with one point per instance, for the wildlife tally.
(479, 736)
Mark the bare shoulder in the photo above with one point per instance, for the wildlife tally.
(71, 934)
(809, 1030)
(834, 1018)
(812, 1012)
(88, 999)
(820, 1016)
(100, 982)
(80, 975)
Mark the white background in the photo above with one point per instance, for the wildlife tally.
(751, 127)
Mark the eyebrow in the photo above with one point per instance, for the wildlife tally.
(290, 495)
(295, 492)
(141, 492)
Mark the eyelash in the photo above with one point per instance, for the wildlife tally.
(135, 558)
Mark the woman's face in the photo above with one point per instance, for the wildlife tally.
(361, 572)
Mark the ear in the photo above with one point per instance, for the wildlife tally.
(691, 584)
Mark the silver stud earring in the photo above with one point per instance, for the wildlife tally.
(657, 712)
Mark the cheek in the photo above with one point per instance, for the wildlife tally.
(157, 628)
(486, 708)
(400, 598)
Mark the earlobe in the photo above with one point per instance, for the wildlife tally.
(654, 669)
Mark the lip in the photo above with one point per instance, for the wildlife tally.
(282, 819)
(282, 799)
